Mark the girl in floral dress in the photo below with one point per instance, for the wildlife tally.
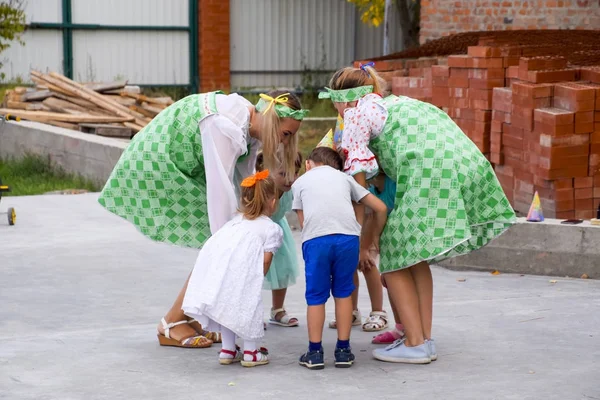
(448, 200)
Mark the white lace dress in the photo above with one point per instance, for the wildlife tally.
(225, 286)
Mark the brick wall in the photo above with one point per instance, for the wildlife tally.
(213, 42)
(445, 17)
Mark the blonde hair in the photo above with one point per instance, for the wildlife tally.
(254, 199)
(260, 161)
(348, 78)
(271, 140)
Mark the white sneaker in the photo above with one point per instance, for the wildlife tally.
(356, 320)
(432, 351)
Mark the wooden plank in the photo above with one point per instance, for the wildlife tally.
(124, 101)
(134, 127)
(106, 130)
(18, 105)
(35, 76)
(60, 105)
(29, 115)
(89, 95)
(37, 95)
(140, 98)
(35, 107)
(76, 100)
(143, 111)
(104, 86)
(127, 89)
(61, 124)
(152, 109)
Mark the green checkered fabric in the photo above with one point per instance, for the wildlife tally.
(448, 199)
(159, 183)
(346, 95)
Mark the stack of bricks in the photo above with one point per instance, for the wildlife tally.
(549, 144)
(464, 89)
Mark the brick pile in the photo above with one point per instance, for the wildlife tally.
(549, 142)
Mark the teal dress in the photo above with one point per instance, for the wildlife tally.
(284, 267)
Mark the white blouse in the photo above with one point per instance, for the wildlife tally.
(225, 138)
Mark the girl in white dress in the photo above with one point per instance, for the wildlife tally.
(224, 290)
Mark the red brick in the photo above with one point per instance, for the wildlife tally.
(567, 140)
(480, 104)
(477, 62)
(514, 142)
(567, 172)
(497, 159)
(486, 83)
(595, 137)
(481, 94)
(513, 130)
(565, 214)
(542, 102)
(564, 151)
(542, 63)
(550, 76)
(511, 61)
(581, 183)
(575, 91)
(556, 163)
(440, 81)
(572, 105)
(564, 194)
(532, 90)
(387, 65)
(584, 204)
(459, 72)
(584, 214)
(563, 183)
(440, 71)
(519, 121)
(553, 116)
(596, 192)
(584, 127)
(590, 74)
(585, 193)
(491, 73)
(496, 126)
(458, 61)
(484, 51)
(554, 130)
(512, 72)
(584, 117)
(458, 82)
(501, 116)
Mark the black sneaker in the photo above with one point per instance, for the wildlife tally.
(343, 358)
(313, 359)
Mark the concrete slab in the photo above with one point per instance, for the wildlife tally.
(81, 292)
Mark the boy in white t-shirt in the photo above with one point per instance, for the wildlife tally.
(323, 199)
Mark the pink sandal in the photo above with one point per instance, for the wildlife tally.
(388, 337)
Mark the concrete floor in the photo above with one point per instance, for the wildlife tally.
(81, 292)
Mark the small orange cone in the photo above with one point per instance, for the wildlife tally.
(535, 211)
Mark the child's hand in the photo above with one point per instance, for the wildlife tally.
(365, 261)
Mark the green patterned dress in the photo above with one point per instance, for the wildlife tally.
(160, 182)
(448, 200)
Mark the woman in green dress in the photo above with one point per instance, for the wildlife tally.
(448, 200)
(178, 179)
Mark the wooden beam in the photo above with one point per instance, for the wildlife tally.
(42, 115)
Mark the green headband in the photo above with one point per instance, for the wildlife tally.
(346, 95)
(282, 110)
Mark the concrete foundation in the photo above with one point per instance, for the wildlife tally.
(90, 156)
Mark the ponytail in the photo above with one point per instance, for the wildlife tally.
(257, 191)
(348, 78)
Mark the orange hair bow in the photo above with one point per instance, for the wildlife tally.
(251, 180)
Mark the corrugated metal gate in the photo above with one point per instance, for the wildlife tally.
(148, 42)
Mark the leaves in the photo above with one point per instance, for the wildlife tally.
(12, 23)
(495, 272)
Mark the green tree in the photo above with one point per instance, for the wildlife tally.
(12, 25)
(373, 11)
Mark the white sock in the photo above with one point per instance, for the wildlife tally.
(228, 342)
(249, 346)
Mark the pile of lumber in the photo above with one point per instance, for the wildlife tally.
(110, 109)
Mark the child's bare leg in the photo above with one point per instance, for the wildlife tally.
(343, 316)
(375, 288)
(394, 310)
(355, 292)
(315, 316)
(403, 292)
(424, 284)
(278, 301)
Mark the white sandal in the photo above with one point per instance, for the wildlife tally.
(377, 321)
(259, 357)
(194, 342)
(284, 320)
(356, 320)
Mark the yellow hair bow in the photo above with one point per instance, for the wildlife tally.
(281, 99)
(251, 180)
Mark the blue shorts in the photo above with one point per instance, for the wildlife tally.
(330, 263)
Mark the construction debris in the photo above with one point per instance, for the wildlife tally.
(103, 108)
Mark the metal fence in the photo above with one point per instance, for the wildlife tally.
(148, 42)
